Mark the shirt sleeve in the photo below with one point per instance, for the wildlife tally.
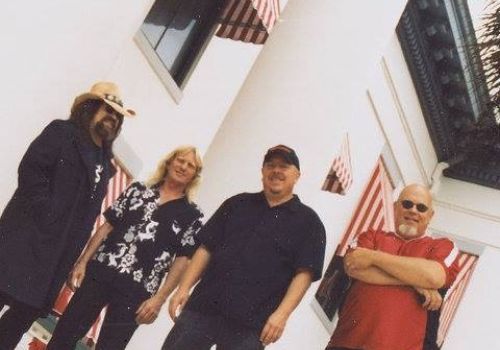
(115, 213)
(312, 253)
(212, 233)
(364, 240)
(446, 253)
(189, 240)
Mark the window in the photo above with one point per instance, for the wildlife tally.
(175, 33)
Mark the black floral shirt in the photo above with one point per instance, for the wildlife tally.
(147, 236)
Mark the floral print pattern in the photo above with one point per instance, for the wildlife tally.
(150, 238)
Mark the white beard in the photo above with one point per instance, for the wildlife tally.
(408, 231)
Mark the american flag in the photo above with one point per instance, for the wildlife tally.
(339, 178)
(467, 263)
(248, 20)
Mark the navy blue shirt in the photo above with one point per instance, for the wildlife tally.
(255, 253)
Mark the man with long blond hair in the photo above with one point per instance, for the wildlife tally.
(150, 230)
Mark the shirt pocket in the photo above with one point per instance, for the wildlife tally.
(283, 248)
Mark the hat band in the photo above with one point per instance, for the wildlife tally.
(113, 98)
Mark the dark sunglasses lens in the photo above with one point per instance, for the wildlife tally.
(111, 110)
(422, 207)
(407, 204)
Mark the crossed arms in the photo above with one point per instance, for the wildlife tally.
(377, 267)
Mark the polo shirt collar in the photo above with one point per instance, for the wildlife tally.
(292, 204)
(425, 235)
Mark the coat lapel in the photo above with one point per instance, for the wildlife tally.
(87, 151)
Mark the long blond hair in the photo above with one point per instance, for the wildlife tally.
(161, 170)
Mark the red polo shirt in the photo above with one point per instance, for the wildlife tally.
(377, 317)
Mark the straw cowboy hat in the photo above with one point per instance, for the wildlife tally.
(107, 92)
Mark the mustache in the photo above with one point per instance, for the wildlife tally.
(110, 119)
(276, 176)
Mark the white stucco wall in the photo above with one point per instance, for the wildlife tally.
(51, 52)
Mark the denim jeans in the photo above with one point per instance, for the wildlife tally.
(194, 330)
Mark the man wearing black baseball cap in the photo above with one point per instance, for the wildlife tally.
(284, 152)
(259, 254)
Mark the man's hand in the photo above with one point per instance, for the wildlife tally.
(76, 276)
(274, 327)
(358, 259)
(148, 311)
(177, 302)
(432, 298)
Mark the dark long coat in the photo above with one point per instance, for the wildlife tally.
(47, 222)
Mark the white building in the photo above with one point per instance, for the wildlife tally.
(329, 68)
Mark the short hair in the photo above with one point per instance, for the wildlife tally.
(161, 170)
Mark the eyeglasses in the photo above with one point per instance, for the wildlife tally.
(408, 204)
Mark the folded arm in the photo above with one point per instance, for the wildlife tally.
(414, 272)
(373, 275)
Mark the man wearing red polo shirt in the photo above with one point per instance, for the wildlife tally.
(395, 280)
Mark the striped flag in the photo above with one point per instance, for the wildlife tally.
(117, 184)
(339, 178)
(467, 263)
(374, 210)
(248, 20)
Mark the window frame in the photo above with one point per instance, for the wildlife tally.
(201, 39)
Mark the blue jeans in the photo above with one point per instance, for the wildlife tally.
(194, 330)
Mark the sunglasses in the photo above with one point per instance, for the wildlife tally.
(111, 110)
(408, 204)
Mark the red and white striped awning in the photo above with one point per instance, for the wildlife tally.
(248, 20)
(466, 263)
(339, 178)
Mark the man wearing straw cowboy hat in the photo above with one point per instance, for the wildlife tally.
(62, 180)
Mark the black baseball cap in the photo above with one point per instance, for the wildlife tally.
(285, 152)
